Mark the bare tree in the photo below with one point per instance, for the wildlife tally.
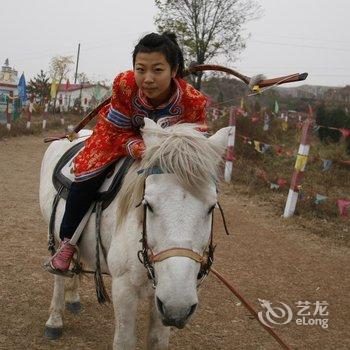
(83, 79)
(207, 28)
(60, 66)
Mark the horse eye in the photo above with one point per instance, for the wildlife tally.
(149, 207)
(211, 209)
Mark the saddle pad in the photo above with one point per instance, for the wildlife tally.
(63, 175)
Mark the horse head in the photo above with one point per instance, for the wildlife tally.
(179, 200)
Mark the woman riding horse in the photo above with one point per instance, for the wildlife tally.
(153, 89)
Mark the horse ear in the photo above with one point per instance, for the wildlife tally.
(149, 131)
(220, 138)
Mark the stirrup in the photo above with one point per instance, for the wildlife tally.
(77, 268)
(49, 268)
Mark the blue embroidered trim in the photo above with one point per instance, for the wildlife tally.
(169, 114)
(156, 114)
(118, 119)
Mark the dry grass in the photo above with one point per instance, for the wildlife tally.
(18, 128)
(250, 165)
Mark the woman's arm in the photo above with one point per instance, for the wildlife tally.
(127, 138)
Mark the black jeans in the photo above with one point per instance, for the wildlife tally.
(80, 197)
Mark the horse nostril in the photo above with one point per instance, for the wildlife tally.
(160, 306)
(192, 310)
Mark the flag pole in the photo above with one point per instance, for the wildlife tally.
(299, 167)
(230, 146)
(76, 73)
(77, 65)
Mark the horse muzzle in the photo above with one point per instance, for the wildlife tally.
(175, 317)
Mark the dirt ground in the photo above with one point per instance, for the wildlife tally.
(266, 257)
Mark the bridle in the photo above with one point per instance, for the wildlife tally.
(148, 258)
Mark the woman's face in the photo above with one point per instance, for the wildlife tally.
(153, 76)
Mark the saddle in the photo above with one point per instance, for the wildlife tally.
(63, 176)
(62, 179)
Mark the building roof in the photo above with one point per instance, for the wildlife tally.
(13, 86)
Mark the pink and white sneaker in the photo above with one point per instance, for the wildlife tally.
(60, 262)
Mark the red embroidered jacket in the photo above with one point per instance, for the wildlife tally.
(116, 133)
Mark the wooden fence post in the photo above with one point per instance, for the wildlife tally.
(230, 146)
(299, 167)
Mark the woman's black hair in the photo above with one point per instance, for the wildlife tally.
(166, 44)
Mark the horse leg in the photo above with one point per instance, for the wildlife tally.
(158, 335)
(53, 326)
(125, 302)
(72, 294)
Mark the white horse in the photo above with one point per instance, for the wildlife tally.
(178, 203)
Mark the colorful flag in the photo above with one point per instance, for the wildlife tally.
(266, 122)
(53, 89)
(242, 103)
(265, 147)
(345, 132)
(300, 162)
(22, 89)
(216, 113)
(278, 149)
(319, 198)
(281, 182)
(343, 205)
(257, 146)
(245, 139)
(327, 163)
(274, 186)
(262, 173)
(240, 111)
(284, 126)
(277, 108)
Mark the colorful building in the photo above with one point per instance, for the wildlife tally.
(89, 94)
(8, 89)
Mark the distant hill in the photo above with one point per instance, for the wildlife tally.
(228, 92)
(312, 91)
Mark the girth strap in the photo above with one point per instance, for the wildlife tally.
(101, 292)
(51, 243)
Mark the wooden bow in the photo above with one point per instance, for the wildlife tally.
(191, 70)
(263, 83)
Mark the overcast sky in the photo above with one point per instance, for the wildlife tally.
(292, 36)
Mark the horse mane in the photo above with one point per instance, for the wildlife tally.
(180, 150)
